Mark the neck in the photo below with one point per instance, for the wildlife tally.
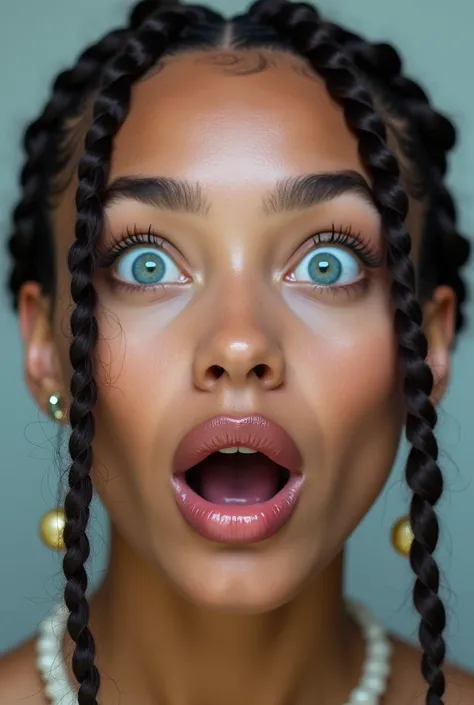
(154, 646)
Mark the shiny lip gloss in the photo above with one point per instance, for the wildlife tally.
(234, 523)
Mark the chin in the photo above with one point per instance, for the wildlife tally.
(251, 580)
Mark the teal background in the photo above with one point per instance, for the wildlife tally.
(39, 37)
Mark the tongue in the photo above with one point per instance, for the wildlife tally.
(238, 478)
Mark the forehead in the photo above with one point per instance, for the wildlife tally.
(233, 119)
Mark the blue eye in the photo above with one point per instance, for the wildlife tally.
(146, 266)
(328, 266)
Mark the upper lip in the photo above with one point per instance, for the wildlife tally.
(256, 432)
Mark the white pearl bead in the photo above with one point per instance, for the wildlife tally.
(379, 650)
(54, 689)
(363, 697)
(375, 631)
(377, 668)
(44, 662)
(49, 628)
(374, 684)
(48, 644)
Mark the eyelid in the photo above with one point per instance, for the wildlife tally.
(368, 253)
(136, 238)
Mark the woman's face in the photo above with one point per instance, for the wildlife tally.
(247, 289)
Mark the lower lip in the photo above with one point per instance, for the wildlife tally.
(237, 524)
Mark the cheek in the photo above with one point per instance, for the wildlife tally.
(143, 378)
(361, 389)
(350, 411)
(365, 419)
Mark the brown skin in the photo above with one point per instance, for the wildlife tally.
(179, 619)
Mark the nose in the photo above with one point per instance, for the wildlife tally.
(236, 355)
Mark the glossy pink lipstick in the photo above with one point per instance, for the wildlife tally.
(237, 480)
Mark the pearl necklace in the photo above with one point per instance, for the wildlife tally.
(371, 687)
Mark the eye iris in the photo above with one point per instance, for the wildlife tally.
(149, 268)
(325, 268)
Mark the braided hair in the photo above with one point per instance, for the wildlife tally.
(355, 73)
(30, 244)
(433, 135)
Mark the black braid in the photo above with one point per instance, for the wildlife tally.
(29, 228)
(449, 250)
(32, 251)
(110, 110)
(30, 243)
(314, 40)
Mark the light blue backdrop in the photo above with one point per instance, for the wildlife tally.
(37, 38)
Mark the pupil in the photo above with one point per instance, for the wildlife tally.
(325, 268)
(148, 268)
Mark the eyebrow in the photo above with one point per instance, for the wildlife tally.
(161, 192)
(301, 192)
(294, 193)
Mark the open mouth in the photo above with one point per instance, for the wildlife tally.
(237, 476)
(237, 481)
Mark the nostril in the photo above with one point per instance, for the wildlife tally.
(216, 372)
(266, 374)
(261, 371)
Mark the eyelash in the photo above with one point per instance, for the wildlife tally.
(369, 255)
(133, 237)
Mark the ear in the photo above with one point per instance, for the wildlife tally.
(42, 369)
(439, 327)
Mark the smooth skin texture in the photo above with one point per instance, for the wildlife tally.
(178, 619)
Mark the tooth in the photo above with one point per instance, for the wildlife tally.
(229, 450)
(247, 451)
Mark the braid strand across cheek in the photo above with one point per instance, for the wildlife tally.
(142, 51)
(315, 41)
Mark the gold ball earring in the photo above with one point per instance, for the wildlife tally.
(402, 536)
(55, 407)
(51, 529)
